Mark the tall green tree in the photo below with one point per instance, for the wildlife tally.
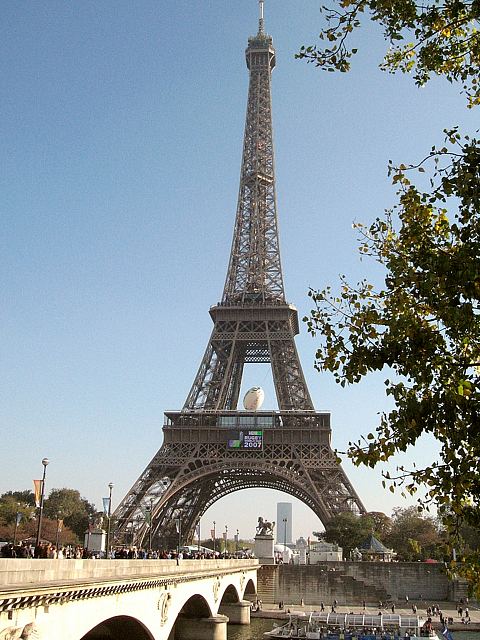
(23, 497)
(422, 326)
(68, 505)
(415, 536)
(349, 530)
(14, 502)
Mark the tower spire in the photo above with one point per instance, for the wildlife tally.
(261, 25)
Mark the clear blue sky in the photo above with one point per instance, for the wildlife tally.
(121, 128)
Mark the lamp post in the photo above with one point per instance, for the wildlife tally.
(45, 462)
(285, 520)
(236, 544)
(214, 536)
(198, 532)
(226, 538)
(107, 546)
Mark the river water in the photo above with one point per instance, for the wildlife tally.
(258, 626)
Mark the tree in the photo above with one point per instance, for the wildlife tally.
(414, 536)
(11, 503)
(381, 524)
(347, 530)
(425, 39)
(24, 497)
(422, 326)
(71, 507)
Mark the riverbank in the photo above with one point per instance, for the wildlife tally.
(448, 609)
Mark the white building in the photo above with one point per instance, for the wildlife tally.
(284, 523)
(325, 552)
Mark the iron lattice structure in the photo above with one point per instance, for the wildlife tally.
(253, 323)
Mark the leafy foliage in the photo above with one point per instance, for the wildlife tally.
(422, 327)
(414, 536)
(425, 39)
(66, 504)
(14, 502)
(71, 507)
(349, 530)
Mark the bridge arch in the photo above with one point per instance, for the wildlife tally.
(119, 628)
(230, 595)
(195, 607)
(250, 592)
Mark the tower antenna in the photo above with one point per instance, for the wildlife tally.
(260, 21)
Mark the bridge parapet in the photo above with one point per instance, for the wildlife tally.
(69, 598)
(21, 572)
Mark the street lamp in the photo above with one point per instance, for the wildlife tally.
(107, 546)
(45, 462)
(236, 544)
(214, 536)
(198, 532)
(285, 520)
(226, 538)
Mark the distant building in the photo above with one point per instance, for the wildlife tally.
(325, 552)
(284, 523)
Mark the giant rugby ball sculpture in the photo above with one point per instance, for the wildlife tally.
(253, 399)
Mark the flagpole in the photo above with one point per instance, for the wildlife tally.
(17, 521)
(45, 462)
(107, 549)
(58, 532)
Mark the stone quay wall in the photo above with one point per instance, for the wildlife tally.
(355, 582)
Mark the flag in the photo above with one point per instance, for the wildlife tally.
(37, 485)
(212, 534)
(148, 515)
(178, 524)
(60, 525)
(224, 535)
(18, 518)
(106, 505)
(197, 529)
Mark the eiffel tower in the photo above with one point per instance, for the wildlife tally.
(203, 456)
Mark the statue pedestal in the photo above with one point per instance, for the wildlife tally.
(264, 549)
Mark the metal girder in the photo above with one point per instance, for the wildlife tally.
(253, 323)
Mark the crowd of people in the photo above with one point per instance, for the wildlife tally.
(47, 550)
(44, 550)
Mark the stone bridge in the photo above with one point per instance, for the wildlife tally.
(124, 599)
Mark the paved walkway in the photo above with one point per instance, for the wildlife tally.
(448, 609)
